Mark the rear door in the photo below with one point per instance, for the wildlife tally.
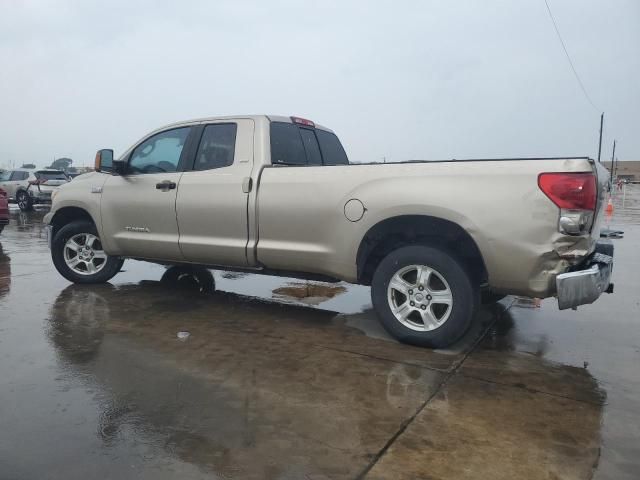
(213, 195)
(300, 195)
(138, 209)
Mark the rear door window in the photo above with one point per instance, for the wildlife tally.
(286, 145)
(311, 147)
(332, 151)
(217, 146)
(5, 176)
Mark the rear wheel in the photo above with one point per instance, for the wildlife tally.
(24, 201)
(423, 296)
(78, 255)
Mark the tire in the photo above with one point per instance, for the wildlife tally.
(24, 201)
(62, 253)
(431, 321)
(189, 277)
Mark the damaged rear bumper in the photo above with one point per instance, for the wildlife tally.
(588, 281)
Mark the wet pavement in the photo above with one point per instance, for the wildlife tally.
(160, 375)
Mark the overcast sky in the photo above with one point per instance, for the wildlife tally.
(397, 79)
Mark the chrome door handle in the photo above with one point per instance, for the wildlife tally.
(166, 185)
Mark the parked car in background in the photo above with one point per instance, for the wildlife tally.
(29, 187)
(4, 209)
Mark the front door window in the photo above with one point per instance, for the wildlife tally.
(160, 153)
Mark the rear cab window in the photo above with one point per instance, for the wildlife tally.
(293, 144)
(286, 145)
(332, 151)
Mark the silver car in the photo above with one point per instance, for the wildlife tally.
(29, 187)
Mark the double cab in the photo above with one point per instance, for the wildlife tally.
(277, 195)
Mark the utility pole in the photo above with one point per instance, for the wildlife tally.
(612, 158)
(600, 141)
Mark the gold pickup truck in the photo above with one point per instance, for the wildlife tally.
(277, 195)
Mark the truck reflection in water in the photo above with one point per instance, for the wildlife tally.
(5, 272)
(237, 397)
(267, 390)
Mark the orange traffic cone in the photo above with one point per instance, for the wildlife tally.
(610, 207)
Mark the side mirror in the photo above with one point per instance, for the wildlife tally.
(104, 160)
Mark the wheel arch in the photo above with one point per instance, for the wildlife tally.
(66, 215)
(398, 231)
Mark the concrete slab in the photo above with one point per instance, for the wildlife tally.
(480, 430)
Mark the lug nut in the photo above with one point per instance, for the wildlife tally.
(429, 297)
(420, 288)
(412, 304)
(410, 292)
(424, 307)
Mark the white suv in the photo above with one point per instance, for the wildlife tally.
(29, 187)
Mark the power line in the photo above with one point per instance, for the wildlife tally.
(555, 26)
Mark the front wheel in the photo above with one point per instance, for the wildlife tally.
(423, 296)
(78, 255)
(24, 201)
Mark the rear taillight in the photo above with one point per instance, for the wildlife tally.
(575, 195)
(574, 191)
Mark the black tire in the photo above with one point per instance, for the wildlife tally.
(464, 294)
(112, 264)
(24, 201)
(189, 277)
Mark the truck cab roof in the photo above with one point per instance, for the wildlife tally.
(269, 118)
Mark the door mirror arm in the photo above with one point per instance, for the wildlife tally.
(119, 167)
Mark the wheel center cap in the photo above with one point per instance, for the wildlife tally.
(419, 297)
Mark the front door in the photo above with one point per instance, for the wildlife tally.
(213, 195)
(138, 208)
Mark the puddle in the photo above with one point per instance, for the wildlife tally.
(308, 293)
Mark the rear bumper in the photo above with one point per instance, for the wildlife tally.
(586, 284)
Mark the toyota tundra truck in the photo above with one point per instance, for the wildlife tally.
(277, 195)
